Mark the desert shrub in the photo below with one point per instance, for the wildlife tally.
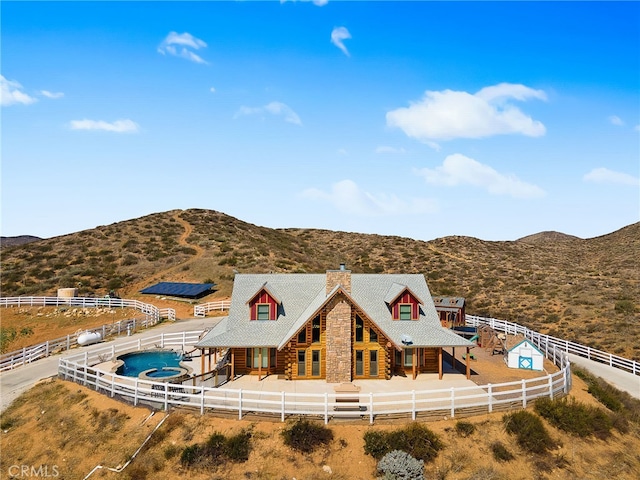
(190, 455)
(575, 417)
(625, 307)
(500, 452)
(238, 447)
(529, 430)
(414, 439)
(306, 436)
(217, 450)
(376, 444)
(464, 429)
(398, 465)
(171, 451)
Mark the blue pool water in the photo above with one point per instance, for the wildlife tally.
(137, 362)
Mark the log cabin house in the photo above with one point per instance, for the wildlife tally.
(336, 327)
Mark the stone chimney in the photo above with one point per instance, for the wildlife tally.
(338, 328)
(339, 277)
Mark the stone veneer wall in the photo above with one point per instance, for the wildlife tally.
(338, 334)
(339, 277)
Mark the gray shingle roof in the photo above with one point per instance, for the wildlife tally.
(303, 294)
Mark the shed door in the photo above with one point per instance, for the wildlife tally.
(525, 361)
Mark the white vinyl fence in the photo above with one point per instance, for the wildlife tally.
(546, 343)
(450, 402)
(153, 314)
(202, 310)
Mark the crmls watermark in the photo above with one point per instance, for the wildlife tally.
(32, 471)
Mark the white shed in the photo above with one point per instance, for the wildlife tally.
(525, 355)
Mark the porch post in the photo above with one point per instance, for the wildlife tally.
(202, 360)
(453, 354)
(413, 363)
(468, 366)
(259, 363)
(233, 364)
(209, 359)
(439, 363)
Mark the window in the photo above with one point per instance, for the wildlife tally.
(302, 363)
(315, 363)
(315, 330)
(408, 357)
(302, 337)
(373, 363)
(359, 329)
(359, 363)
(398, 358)
(249, 355)
(373, 335)
(405, 311)
(263, 311)
(256, 357)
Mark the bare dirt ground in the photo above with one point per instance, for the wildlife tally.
(60, 424)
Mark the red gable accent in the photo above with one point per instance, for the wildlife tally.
(263, 297)
(405, 298)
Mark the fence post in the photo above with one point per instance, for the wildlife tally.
(453, 408)
(370, 408)
(413, 404)
(202, 400)
(162, 340)
(24, 355)
(68, 342)
(113, 352)
(326, 408)
(135, 393)
(282, 411)
(524, 394)
(46, 350)
(550, 387)
(166, 396)
(113, 386)
(490, 398)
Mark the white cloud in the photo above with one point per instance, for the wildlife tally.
(386, 149)
(616, 120)
(458, 169)
(449, 114)
(274, 108)
(338, 34)
(185, 43)
(604, 175)
(11, 93)
(342, 151)
(347, 197)
(119, 126)
(52, 95)
(212, 89)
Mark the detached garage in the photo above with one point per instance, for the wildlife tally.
(525, 355)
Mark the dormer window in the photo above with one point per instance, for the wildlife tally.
(405, 311)
(262, 311)
(264, 305)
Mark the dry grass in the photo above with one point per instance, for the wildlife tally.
(63, 424)
(579, 290)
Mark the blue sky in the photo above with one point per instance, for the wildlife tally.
(420, 119)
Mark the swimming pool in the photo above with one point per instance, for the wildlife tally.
(152, 365)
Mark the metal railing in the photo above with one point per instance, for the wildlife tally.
(202, 310)
(23, 356)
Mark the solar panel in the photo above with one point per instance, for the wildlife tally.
(179, 289)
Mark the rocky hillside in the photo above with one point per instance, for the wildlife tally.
(586, 290)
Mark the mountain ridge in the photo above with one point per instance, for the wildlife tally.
(584, 290)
